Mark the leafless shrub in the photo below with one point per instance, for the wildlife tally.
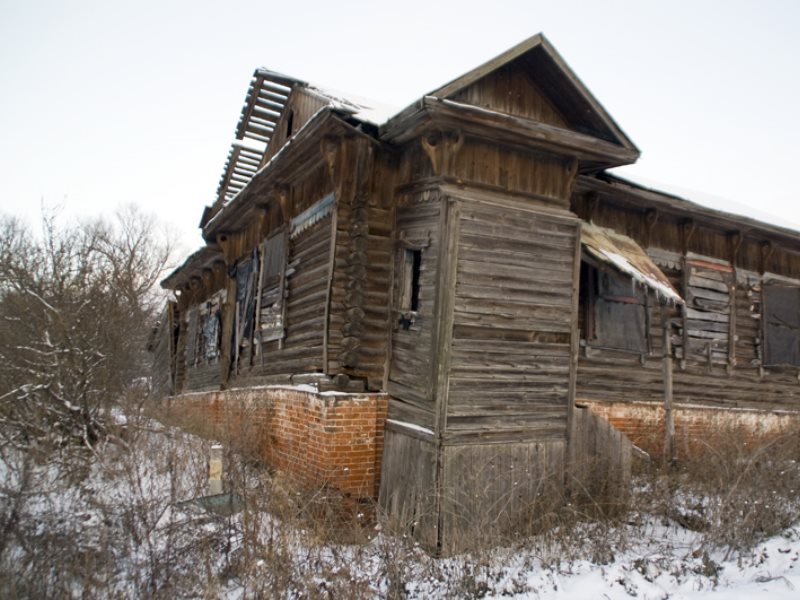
(738, 488)
(74, 302)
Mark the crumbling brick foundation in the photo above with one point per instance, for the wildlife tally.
(328, 438)
(697, 428)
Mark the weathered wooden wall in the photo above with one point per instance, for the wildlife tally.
(721, 276)
(510, 355)
(408, 490)
(300, 107)
(411, 373)
(301, 350)
(490, 492)
(599, 468)
(511, 90)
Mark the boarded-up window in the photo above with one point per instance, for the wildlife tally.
(615, 311)
(707, 291)
(270, 305)
(211, 328)
(781, 325)
(245, 300)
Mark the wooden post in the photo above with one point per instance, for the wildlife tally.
(669, 423)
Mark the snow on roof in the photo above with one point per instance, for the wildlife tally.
(711, 201)
(363, 109)
(267, 96)
(627, 256)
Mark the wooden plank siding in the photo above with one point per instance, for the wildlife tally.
(723, 290)
(617, 376)
(300, 351)
(511, 90)
(300, 107)
(408, 490)
(510, 358)
(411, 376)
(490, 491)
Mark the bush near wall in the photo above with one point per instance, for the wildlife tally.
(697, 428)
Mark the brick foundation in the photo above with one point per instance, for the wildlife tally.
(697, 428)
(334, 439)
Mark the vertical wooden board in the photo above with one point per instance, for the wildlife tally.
(408, 486)
(491, 491)
(510, 89)
(600, 462)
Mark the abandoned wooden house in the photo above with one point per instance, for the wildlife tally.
(465, 277)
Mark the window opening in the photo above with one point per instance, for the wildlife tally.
(614, 315)
(410, 286)
(289, 124)
(412, 264)
(781, 325)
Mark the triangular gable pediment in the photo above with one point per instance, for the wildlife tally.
(531, 80)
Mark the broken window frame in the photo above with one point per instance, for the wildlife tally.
(409, 275)
(636, 302)
(276, 242)
(244, 307)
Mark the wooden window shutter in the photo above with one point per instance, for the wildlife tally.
(781, 325)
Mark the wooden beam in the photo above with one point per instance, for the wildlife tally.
(688, 228)
(669, 419)
(518, 131)
(442, 148)
(650, 220)
(592, 204)
(735, 239)
(766, 248)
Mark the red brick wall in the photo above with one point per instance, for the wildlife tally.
(335, 439)
(697, 428)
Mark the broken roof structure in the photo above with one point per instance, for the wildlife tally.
(471, 257)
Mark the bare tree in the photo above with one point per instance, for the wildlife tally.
(76, 303)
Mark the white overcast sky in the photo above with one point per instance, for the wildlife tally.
(106, 103)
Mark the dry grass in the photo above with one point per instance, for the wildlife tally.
(113, 524)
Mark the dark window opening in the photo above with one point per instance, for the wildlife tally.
(412, 262)
(416, 261)
(781, 325)
(614, 310)
(289, 123)
(410, 273)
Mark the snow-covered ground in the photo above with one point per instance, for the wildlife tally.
(121, 524)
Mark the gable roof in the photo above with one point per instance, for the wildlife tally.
(546, 66)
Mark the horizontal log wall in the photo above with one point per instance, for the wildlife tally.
(410, 378)
(617, 376)
(301, 350)
(512, 321)
(725, 376)
(357, 341)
